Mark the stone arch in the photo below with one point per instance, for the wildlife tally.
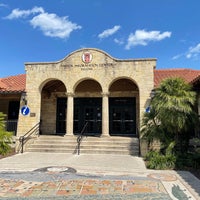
(53, 107)
(87, 86)
(88, 107)
(93, 50)
(123, 107)
(52, 86)
(123, 84)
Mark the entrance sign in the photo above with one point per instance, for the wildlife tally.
(25, 110)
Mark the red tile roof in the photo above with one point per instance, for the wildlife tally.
(18, 83)
(13, 84)
(189, 75)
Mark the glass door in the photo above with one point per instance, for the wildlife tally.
(88, 110)
(122, 116)
(93, 117)
(61, 116)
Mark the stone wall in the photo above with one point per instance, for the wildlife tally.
(102, 68)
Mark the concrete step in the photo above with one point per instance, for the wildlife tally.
(89, 138)
(116, 143)
(84, 151)
(83, 146)
(89, 145)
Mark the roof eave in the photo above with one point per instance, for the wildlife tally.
(12, 92)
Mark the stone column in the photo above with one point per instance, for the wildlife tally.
(105, 115)
(70, 113)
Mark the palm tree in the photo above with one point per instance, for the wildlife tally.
(152, 129)
(173, 103)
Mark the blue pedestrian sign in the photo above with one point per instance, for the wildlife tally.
(25, 110)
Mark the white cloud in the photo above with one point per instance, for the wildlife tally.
(49, 23)
(3, 5)
(109, 32)
(142, 37)
(193, 51)
(53, 25)
(176, 57)
(119, 41)
(17, 13)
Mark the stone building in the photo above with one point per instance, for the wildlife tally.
(86, 91)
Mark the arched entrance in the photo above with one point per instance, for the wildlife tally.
(122, 108)
(88, 108)
(53, 108)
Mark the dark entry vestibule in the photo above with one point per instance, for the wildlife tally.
(61, 116)
(88, 110)
(122, 116)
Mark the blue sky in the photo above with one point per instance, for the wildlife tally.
(48, 30)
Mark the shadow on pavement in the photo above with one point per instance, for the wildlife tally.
(191, 180)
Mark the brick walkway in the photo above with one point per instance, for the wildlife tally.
(60, 184)
(55, 184)
(43, 176)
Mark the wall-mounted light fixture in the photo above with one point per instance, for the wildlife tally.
(152, 94)
(24, 98)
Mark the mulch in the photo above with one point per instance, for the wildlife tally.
(11, 153)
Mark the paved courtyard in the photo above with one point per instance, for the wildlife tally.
(66, 176)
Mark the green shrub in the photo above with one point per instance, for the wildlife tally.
(188, 160)
(5, 137)
(156, 160)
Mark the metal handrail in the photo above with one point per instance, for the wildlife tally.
(80, 137)
(24, 138)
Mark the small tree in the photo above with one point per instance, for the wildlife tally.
(5, 137)
(173, 102)
(170, 117)
(152, 129)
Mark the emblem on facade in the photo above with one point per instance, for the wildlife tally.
(87, 57)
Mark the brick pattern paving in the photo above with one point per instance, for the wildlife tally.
(43, 185)
(83, 187)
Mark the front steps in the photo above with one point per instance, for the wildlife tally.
(89, 145)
